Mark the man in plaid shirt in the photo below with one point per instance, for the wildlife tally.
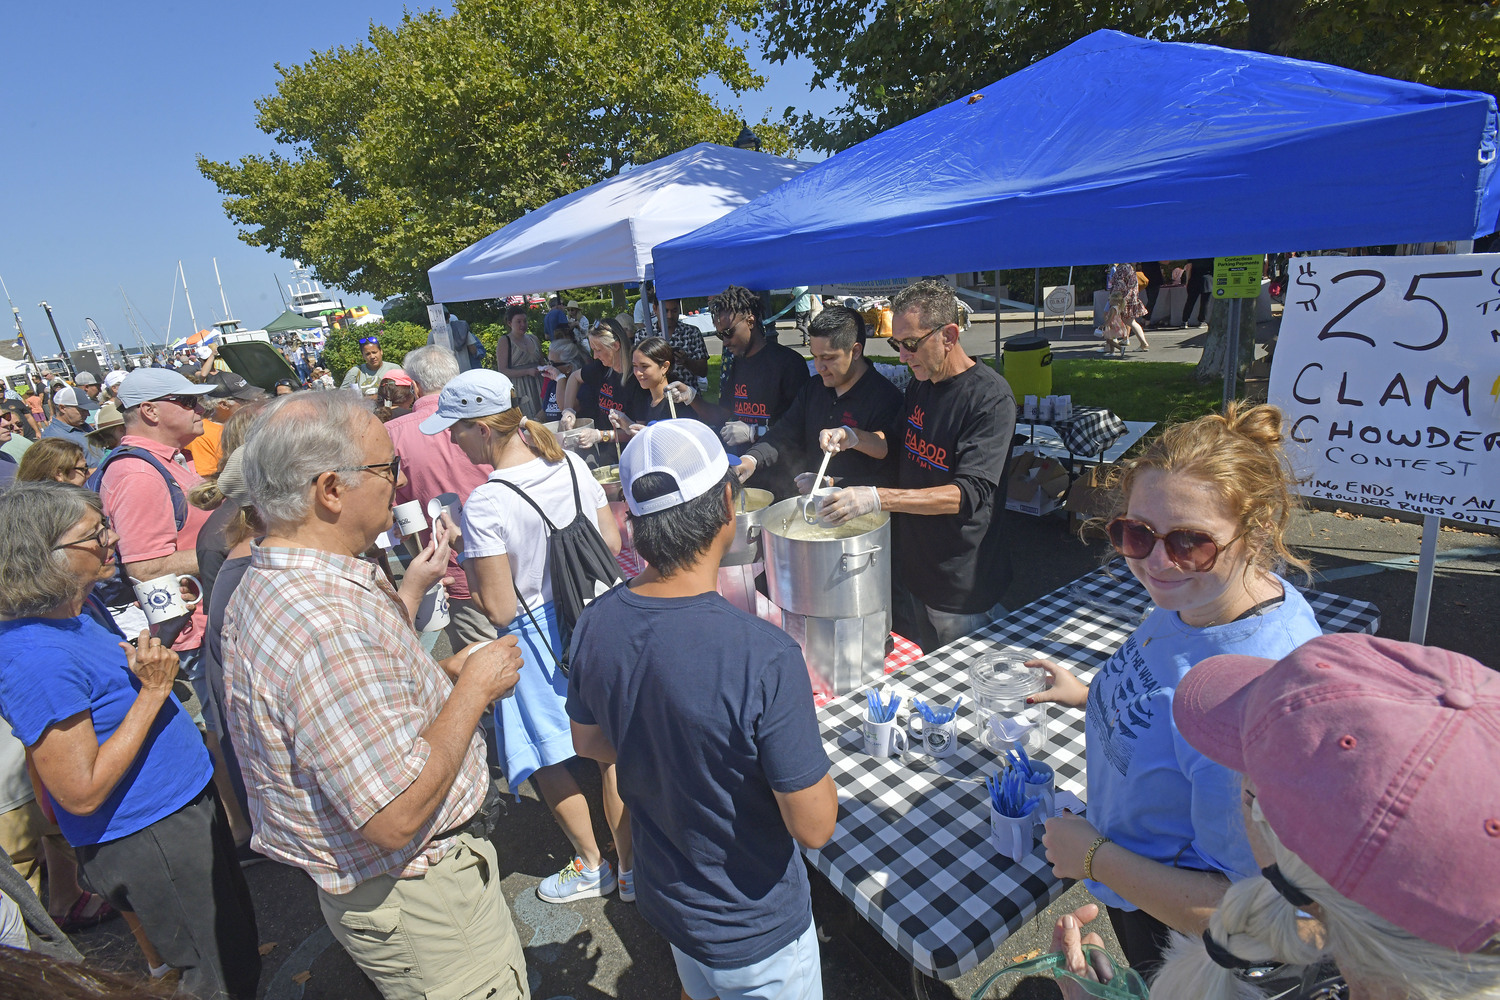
(689, 352)
(362, 758)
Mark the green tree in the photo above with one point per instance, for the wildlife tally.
(896, 59)
(398, 151)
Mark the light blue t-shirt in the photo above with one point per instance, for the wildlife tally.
(1149, 791)
(50, 670)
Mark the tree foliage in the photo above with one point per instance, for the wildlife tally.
(396, 152)
(896, 59)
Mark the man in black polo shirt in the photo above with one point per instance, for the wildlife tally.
(764, 383)
(951, 566)
(848, 394)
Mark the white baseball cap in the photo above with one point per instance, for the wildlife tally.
(69, 396)
(85, 378)
(478, 392)
(114, 378)
(687, 450)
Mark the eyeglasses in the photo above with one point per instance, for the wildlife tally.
(910, 346)
(1188, 549)
(368, 340)
(98, 537)
(392, 470)
(186, 402)
(1102, 977)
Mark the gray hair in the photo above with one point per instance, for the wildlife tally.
(431, 367)
(934, 301)
(285, 451)
(568, 351)
(1256, 923)
(34, 576)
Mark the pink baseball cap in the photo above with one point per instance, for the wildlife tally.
(1375, 763)
(398, 376)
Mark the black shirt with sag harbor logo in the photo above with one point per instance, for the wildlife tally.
(957, 431)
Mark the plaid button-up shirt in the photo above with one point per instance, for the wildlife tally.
(687, 342)
(327, 693)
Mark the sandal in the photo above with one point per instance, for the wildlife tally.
(78, 917)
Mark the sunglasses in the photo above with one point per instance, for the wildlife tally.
(186, 402)
(98, 537)
(368, 340)
(392, 470)
(910, 345)
(1188, 549)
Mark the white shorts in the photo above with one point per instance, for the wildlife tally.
(793, 973)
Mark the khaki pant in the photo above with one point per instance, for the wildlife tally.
(445, 936)
(466, 624)
(21, 833)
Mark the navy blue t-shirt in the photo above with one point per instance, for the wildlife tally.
(709, 710)
(50, 670)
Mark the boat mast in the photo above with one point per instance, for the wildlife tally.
(20, 332)
(189, 298)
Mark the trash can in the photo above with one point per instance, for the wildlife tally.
(1028, 367)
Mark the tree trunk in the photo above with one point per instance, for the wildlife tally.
(1211, 365)
(617, 292)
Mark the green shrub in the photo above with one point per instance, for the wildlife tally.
(341, 349)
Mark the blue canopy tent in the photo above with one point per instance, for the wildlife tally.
(1117, 149)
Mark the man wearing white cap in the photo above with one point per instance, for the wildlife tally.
(709, 713)
(112, 385)
(70, 421)
(88, 383)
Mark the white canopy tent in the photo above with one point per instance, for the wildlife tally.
(606, 233)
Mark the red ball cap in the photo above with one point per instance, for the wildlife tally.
(1377, 763)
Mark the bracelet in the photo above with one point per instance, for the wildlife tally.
(1088, 858)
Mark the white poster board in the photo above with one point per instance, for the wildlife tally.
(437, 319)
(1387, 369)
(1057, 301)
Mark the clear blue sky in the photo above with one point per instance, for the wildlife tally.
(105, 106)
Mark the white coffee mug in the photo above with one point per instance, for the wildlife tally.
(445, 502)
(1011, 836)
(161, 597)
(409, 518)
(940, 739)
(884, 739)
(432, 613)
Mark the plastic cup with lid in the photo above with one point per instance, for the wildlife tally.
(1000, 682)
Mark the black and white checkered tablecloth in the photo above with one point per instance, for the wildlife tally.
(1089, 431)
(911, 850)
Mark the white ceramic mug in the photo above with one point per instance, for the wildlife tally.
(409, 518)
(1010, 836)
(161, 597)
(940, 739)
(432, 613)
(884, 739)
(444, 502)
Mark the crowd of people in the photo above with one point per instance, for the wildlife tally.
(210, 659)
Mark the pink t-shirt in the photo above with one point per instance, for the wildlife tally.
(433, 465)
(138, 503)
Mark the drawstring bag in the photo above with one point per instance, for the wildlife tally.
(579, 563)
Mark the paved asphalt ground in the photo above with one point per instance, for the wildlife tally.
(602, 948)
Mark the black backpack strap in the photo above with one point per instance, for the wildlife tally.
(522, 494)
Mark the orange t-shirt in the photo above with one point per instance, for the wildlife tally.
(207, 449)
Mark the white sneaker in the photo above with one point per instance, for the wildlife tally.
(577, 882)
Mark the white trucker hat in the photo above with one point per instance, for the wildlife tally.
(687, 450)
(478, 392)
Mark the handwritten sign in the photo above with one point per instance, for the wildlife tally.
(1387, 370)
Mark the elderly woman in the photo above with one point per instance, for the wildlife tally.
(124, 764)
(1372, 827)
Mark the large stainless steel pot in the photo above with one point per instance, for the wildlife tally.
(826, 577)
(609, 478)
(747, 548)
